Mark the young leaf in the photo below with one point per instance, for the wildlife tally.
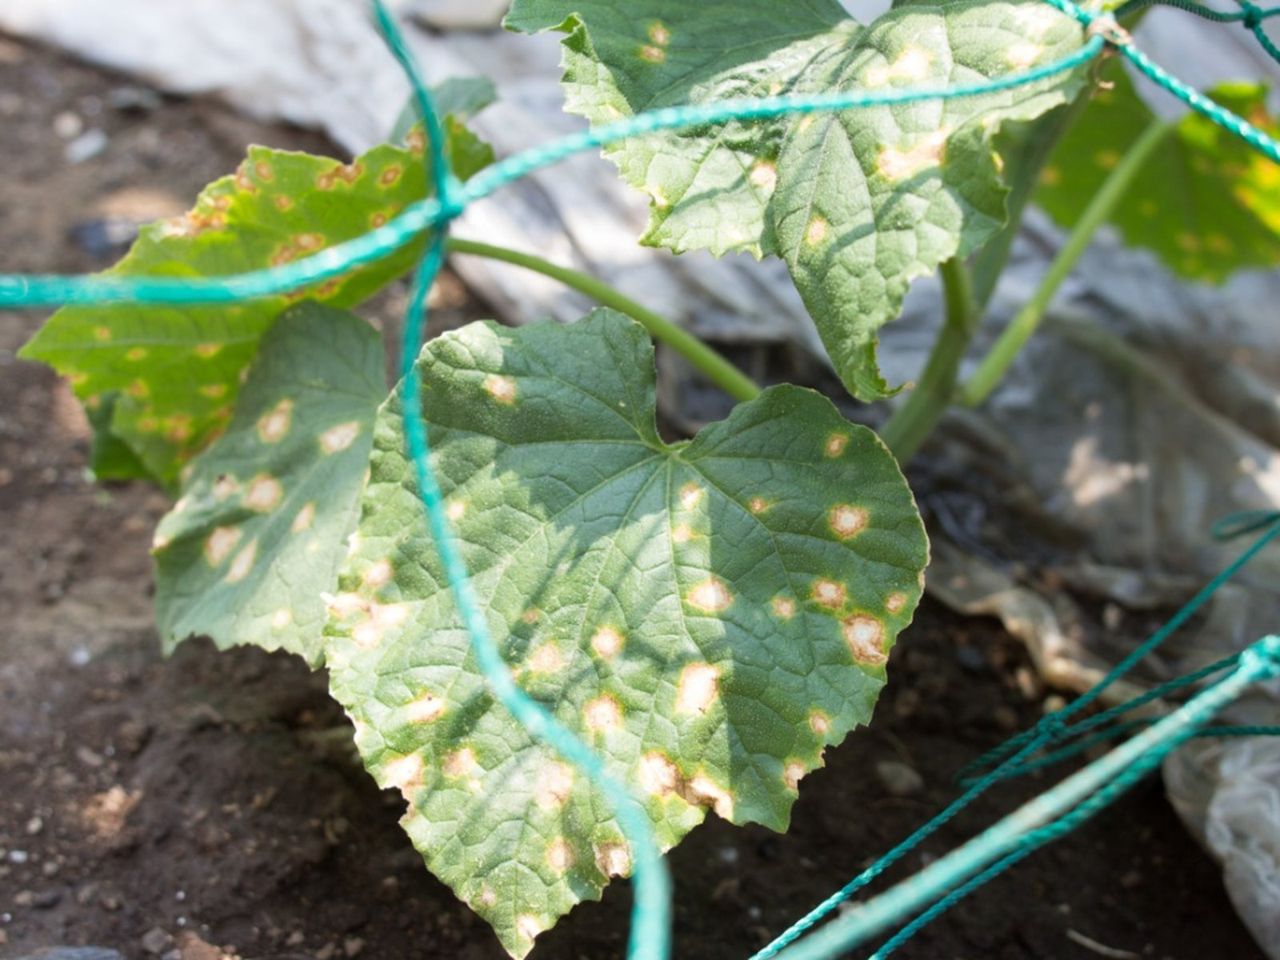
(859, 203)
(262, 525)
(177, 369)
(1205, 202)
(710, 615)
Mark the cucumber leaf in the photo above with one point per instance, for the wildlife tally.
(1205, 202)
(858, 203)
(262, 525)
(176, 369)
(710, 615)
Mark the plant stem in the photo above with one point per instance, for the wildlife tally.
(712, 364)
(912, 422)
(997, 362)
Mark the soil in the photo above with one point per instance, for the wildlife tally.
(162, 806)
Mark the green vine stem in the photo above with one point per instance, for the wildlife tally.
(712, 364)
(912, 422)
(997, 362)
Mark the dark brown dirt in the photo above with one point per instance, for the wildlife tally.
(213, 798)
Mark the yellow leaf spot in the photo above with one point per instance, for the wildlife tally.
(243, 562)
(378, 575)
(1022, 55)
(652, 54)
(220, 544)
(705, 791)
(658, 775)
(865, 637)
(136, 354)
(214, 391)
(1051, 176)
(784, 608)
(764, 175)
(847, 521)
(911, 64)
(612, 859)
(528, 927)
(835, 444)
(895, 164)
(264, 493)
(1106, 159)
(554, 786)
(757, 505)
(207, 350)
(896, 602)
(102, 334)
(337, 439)
(607, 643)
(819, 723)
(460, 763)
(815, 232)
(304, 518)
(274, 424)
(602, 714)
(792, 774)
(389, 176)
(682, 533)
(428, 708)
(559, 855)
(1188, 242)
(829, 593)
(404, 773)
(138, 390)
(487, 897)
(502, 389)
(711, 596)
(698, 687)
(546, 658)
(264, 171)
(659, 33)
(690, 495)
(283, 203)
(282, 618)
(1218, 243)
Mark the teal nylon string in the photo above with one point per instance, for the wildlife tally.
(1041, 820)
(27, 291)
(651, 914)
(1006, 760)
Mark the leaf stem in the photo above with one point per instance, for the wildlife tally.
(997, 362)
(912, 422)
(711, 363)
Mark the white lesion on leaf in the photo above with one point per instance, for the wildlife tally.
(912, 64)
(243, 562)
(835, 445)
(784, 608)
(282, 618)
(263, 494)
(273, 425)
(602, 714)
(378, 574)
(220, 544)
(697, 688)
(559, 855)
(828, 593)
(613, 859)
(815, 232)
(865, 636)
(710, 596)
(546, 658)
(792, 773)
(898, 164)
(819, 722)
(404, 773)
(607, 642)
(339, 437)
(846, 520)
(502, 389)
(303, 520)
(426, 708)
(896, 602)
(1022, 55)
(690, 496)
(554, 785)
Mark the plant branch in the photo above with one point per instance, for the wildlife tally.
(997, 362)
(912, 422)
(712, 364)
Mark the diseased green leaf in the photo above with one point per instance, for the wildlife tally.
(110, 458)
(262, 525)
(710, 615)
(1205, 202)
(458, 97)
(859, 203)
(177, 369)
